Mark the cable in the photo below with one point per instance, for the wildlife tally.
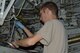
(17, 13)
(10, 18)
(21, 8)
(12, 32)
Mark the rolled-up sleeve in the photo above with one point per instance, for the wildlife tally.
(46, 33)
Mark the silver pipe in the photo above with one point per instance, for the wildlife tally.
(7, 10)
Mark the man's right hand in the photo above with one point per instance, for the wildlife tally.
(13, 45)
(19, 24)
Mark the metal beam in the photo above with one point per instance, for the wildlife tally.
(6, 11)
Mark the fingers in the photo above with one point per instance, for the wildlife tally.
(13, 44)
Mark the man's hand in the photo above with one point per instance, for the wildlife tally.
(13, 44)
(19, 24)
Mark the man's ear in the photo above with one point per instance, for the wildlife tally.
(48, 11)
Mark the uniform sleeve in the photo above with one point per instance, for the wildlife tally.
(46, 33)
